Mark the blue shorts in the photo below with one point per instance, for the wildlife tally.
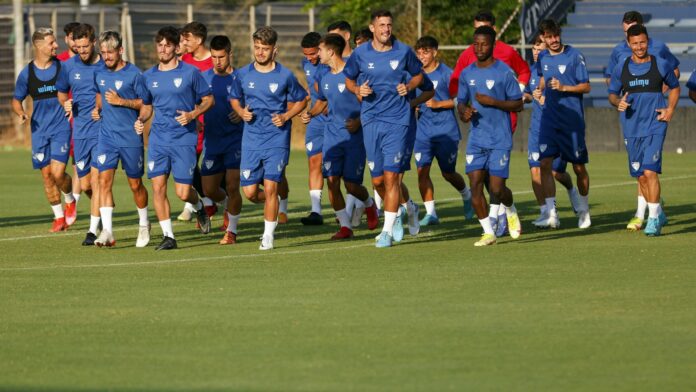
(644, 153)
(410, 143)
(314, 137)
(180, 161)
(385, 145)
(568, 144)
(85, 155)
(444, 148)
(259, 165)
(44, 149)
(534, 155)
(131, 159)
(344, 160)
(219, 163)
(496, 162)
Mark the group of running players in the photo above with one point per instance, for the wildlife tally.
(379, 104)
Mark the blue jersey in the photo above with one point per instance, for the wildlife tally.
(78, 77)
(490, 126)
(383, 71)
(562, 110)
(218, 127)
(266, 94)
(117, 121)
(691, 83)
(655, 47)
(438, 122)
(343, 105)
(643, 82)
(535, 121)
(48, 117)
(180, 88)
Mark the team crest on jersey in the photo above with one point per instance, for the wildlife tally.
(327, 165)
(418, 156)
(542, 147)
(562, 68)
(490, 83)
(309, 146)
(452, 157)
(469, 158)
(435, 83)
(101, 158)
(39, 156)
(246, 173)
(229, 89)
(273, 87)
(371, 165)
(394, 64)
(535, 156)
(635, 166)
(341, 87)
(101, 82)
(80, 165)
(118, 84)
(77, 76)
(209, 163)
(177, 82)
(370, 65)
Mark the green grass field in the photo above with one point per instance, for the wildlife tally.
(600, 309)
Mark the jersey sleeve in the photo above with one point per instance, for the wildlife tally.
(139, 86)
(539, 68)
(665, 67)
(458, 68)
(351, 69)
(413, 65)
(22, 86)
(512, 88)
(320, 91)
(463, 89)
(296, 92)
(691, 83)
(426, 84)
(147, 97)
(615, 85)
(581, 74)
(609, 71)
(671, 59)
(200, 86)
(63, 81)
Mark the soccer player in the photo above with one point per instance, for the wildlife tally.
(50, 131)
(70, 50)
(266, 95)
(343, 150)
(377, 73)
(508, 55)
(619, 54)
(438, 134)
(121, 90)
(314, 135)
(345, 30)
(362, 36)
(564, 80)
(223, 139)
(691, 85)
(488, 91)
(636, 91)
(179, 94)
(77, 77)
(533, 94)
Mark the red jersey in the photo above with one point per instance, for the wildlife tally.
(502, 52)
(63, 56)
(202, 65)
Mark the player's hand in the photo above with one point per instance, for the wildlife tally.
(184, 117)
(468, 113)
(23, 118)
(365, 90)
(555, 84)
(665, 114)
(234, 117)
(353, 125)
(67, 106)
(247, 114)
(139, 126)
(623, 104)
(402, 89)
(96, 114)
(537, 94)
(113, 98)
(431, 103)
(305, 117)
(485, 100)
(542, 100)
(279, 119)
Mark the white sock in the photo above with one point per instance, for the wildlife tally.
(551, 205)
(106, 215)
(430, 208)
(283, 206)
(642, 206)
(544, 209)
(58, 211)
(234, 221)
(315, 198)
(466, 193)
(654, 210)
(207, 202)
(76, 196)
(189, 206)
(197, 207)
(486, 224)
(571, 193)
(343, 218)
(142, 214)
(166, 226)
(584, 202)
(350, 203)
(399, 212)
(378, 200)
(68, 197)
(511, 209)
(269, 228)
(93, 224)
(493, 211)
(368, 203)
(389, 218)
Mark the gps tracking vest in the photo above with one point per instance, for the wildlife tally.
(40, 89)
(649, 82)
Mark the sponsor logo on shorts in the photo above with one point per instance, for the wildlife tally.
(151, 165)
(140, 162)
(394, 64)
(246, 173)
(281, 166)
(209, 163)
(469, 158)
(64, 148)
(237, 154)
(561, 68)
(635, 166)
(490, 83)
(118, 84)
(656, 157)
(102, 158)
(191, 170)
(397, 157)
(626, 142)
(273, 87)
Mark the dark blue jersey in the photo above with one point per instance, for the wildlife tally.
(219, 130)
(48, 117)
(343, 105)
(438, 122)
(691, 83)
(535, 120)
(78, 77)
(563, 111)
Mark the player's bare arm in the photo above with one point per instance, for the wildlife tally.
(294, 109)
(508, 106)
(18, 109)
(317, 109)
(186, 117)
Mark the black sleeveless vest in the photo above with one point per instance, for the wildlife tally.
(649, 82)
(40, 89)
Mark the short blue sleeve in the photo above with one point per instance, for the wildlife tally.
(512, 87)
(581, 75)
(667, 54)
(463, 91)
(427, 84)
(236, 90)
(351, 69)
(63, 81)
(413, 65)
(612, 61)
(691, 84)
(200, 86)
(667, 72)
(296, 92)
(320, 92)
(615, 85)
(140, 87)
(22, 86)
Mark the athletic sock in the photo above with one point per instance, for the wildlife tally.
(399, 212)
(510, 209)
(642, 206)
(68, 197)
(584, 202)
(166, 226)
(654, 210)
(233, 222)
(93, 224)
(269, 228)
(207, 202)
(378, 200)
(430, 208)
(343, 218)
(142, 215)
(466, 193)
(283, 206)
(197, 207)
(544, 209)
(493, 211)
(106, 215)
(57, 211)
(350, 203)
(76, 196)
(572, 196)
(369, 202)
(551, 205)
(486, 224)
(315, 198)
(189, 206)
(389, 218)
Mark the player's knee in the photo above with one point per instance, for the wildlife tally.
(183, 192)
